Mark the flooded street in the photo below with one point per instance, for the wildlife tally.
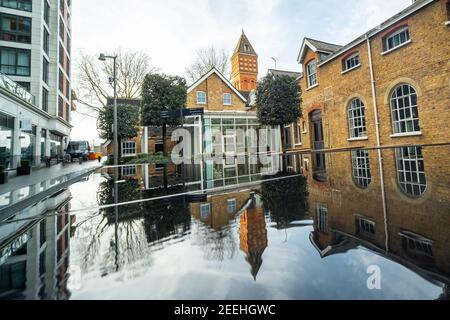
(245, 236)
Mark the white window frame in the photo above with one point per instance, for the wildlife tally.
(231, 205)
(418, 241)
(126, 148)
(203, 214)
(312, 74)
(395, 34)
(353, 57)
(128, 171)
(322, 218)
(362, 175)
(226, 101)
(297, 134)
(363, 223)
(201, 97)
(412, 182)
(356, 112)
(409, 122)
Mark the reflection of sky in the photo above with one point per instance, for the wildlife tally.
(180, 269)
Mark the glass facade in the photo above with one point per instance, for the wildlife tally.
(28, 145)
(6, 138)
(55, 146)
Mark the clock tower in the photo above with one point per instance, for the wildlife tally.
(244, 65)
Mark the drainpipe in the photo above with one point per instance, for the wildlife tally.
(380, 156)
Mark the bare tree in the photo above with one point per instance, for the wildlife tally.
(94, 88)
(206, 59)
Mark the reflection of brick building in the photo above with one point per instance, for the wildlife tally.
(253, 237)
(219, 209)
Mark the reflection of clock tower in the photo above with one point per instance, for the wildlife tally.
(253, 237)
(244, 65)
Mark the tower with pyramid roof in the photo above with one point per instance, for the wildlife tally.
(244, 65)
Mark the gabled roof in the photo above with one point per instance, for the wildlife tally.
(414, 7)
(317, 46)
(240, 48)
(227, 82)
(292, 74)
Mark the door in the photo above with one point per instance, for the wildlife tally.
(318, 144)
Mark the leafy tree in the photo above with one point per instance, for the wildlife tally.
(127, 122)
(207, 59)
(278, 99)
(160, 93)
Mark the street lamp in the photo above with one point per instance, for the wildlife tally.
(103, 58)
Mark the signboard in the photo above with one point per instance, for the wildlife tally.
(172, 114)
(26, 125)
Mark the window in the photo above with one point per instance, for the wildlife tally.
(61, 55)
(287, 136)
(448, 10)
(231, 204)
(42, 232)
(405, 115)
(46, 12)
(365, 227)
(15, 28)
(411, 171)
(128, 171)
(227, 99)
(201, 97)
(322, 218)
(352, 62)
(159, 148)
(361, 168)
(61, 81)
(416, 245)
(297, 134)
(357, 119)
(396, 39)
(246, 47)
(44, 99)
(25, 85)
(68, 90)
(24, 5)
(60, 107)
(46, 41)
(45, 65)
(311, 69)
(205, 210)
(61, 29)
(128, 148)
(14, 61)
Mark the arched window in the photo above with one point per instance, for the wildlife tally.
(411, 171)
(405, 115)
(361, 168)
(357, 119)
(311, 69)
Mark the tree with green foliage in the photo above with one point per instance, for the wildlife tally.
(128, 117)
(160, 93)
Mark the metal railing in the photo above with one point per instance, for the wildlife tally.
(16, 89)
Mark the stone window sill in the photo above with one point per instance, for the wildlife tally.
(312, 87)
(358, 139)
(396, 48)
(351, 69)
(447, 23)
(406, 134)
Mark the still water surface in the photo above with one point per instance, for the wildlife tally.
(261, 237)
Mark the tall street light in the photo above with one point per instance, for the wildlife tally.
(103, 57)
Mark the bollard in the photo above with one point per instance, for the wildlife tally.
(80, 160)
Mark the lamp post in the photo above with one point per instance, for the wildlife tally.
(103, 57)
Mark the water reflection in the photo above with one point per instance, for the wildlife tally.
(277, 236)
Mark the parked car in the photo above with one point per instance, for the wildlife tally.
(78, 149)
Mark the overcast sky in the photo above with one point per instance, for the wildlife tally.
(171, 31)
